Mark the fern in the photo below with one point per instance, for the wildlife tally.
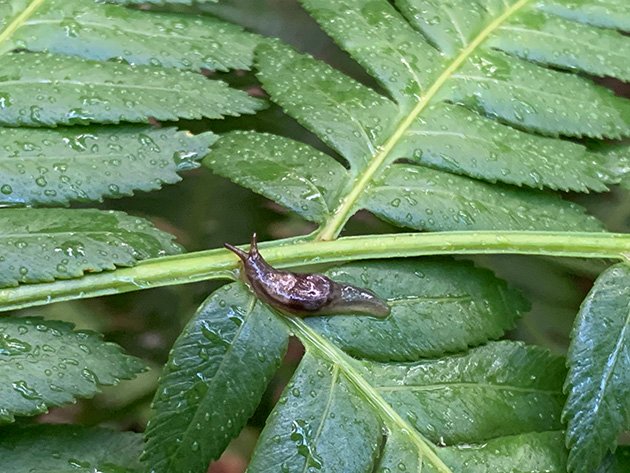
(86, 362)
(101, 32)
(476, 119)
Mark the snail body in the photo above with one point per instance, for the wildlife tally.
(304, 294)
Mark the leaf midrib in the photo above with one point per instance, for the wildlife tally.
(19, 20)
(611, 363)
(348, 204)
(312, 339)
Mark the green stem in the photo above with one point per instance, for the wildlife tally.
(220, 264)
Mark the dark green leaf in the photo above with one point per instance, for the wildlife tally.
(617, 463)
(598, 384)
(495, 390)
(486, 149)
(321, 423)
(531, 452)
(349, 117)
(215, 377)
(438, 305)
(96, 31)
(39, 245)
(495, 406)
(426, 199)
(69, 449)
(534, 98)
(41, 89)
(43, 167)
(295, 175)
(45, 363)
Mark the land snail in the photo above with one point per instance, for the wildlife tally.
(304, 294)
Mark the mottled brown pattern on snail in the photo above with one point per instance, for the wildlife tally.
(304, 293)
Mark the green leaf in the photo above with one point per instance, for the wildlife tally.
(69, 449)
(215, 377)
(295, 175)
(45, 363)
(438, 305)
(45, 167)
(537, 99)
(495, 390)
(486, 149)
(598, 387)
(425, 199)
(516, 91)
(535, 452)
(543, 38)
(463, 97)
(41, 89)
(538, 32)
(221, 363)
(319, 409)
(38, 245)
(613, 14)
(333, 399)
(101, 32)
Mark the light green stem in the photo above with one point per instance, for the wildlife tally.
(220, 264)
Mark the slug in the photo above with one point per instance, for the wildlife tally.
(304, 294)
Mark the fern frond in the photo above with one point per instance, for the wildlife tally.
(461, 97)
(39, 245)
(46, 364)
(55, 167)
(49, 90)
(98, 31)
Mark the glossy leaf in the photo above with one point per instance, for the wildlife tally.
(39, 245)
(426, 199)
(46, 90)
(295, 175)
(438, 305)
(215, 377)
(333, 400)
(45, 364)
(319, 409)
(69, 449)
(492, 391)
(101, 32)
(463, 97)
(552, 40)
(598, 387)
(45, 167)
